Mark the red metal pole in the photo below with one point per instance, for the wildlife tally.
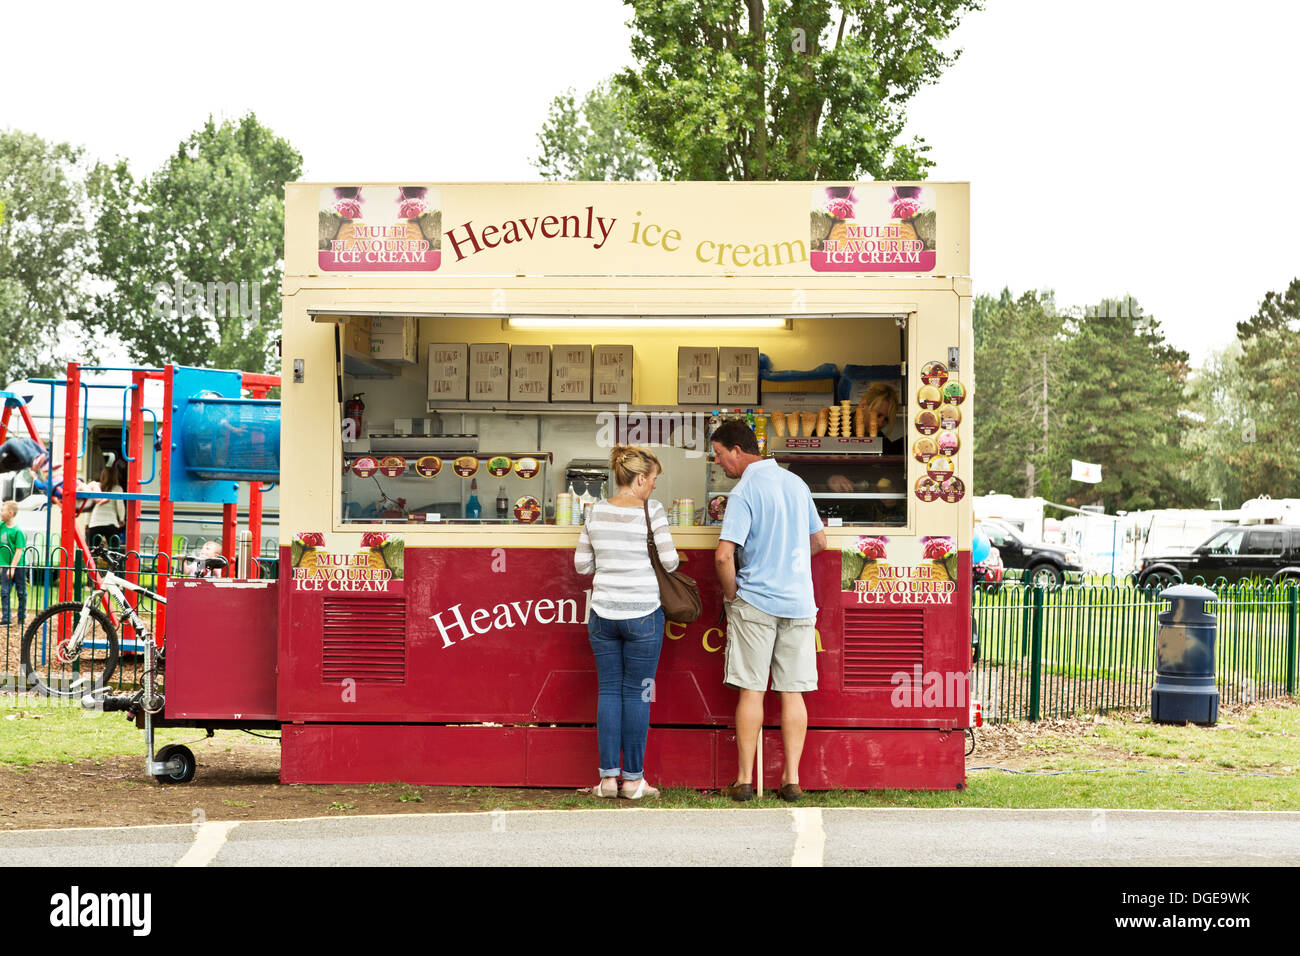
(4, 421)
(254, 529)
(135, 450)
(31, 425)
(229, 530)
(258, 386)
(165, 509)
(68, 525)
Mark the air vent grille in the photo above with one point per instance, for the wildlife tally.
(365, 640)
(879, 643)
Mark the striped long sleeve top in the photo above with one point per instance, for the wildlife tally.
(613, 545)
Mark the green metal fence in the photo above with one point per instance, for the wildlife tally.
(43, 574)
(1090, 649)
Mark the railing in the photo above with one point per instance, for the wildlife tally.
(1092, 648)
(42, 574)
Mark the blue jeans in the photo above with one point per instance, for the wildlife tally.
(627, 654)
(13, 578)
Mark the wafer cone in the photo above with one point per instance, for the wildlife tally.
(808, 421)
(778, 423)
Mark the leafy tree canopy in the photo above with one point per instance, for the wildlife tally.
(45, 244)
(784, 90)
(590, 140)
(194, 252)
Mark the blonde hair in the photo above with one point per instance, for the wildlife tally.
(881, 391)
(628, 461)
(9, 505)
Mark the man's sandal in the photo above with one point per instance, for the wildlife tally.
(740, 792)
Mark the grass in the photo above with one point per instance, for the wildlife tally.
(36, 729)
(1249, 761)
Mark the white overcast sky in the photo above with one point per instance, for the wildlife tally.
(1138, 147)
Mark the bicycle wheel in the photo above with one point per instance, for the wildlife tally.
(48, 671)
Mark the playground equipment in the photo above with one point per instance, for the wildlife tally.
(207, 440)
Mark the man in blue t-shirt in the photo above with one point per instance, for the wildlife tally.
(772, 521)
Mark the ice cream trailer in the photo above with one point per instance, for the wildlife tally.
(458, 361)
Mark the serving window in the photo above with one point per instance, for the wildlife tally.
(490, 422)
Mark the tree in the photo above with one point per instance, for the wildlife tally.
(195, 252)
(1263, 457)
(1222, 423)
(1125, 410)
(45, 244)
(791, 89)
(590, 140)
(1019, 343)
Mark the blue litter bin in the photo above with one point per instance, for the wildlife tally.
(1184, 690)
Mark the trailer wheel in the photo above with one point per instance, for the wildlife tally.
(185, 772)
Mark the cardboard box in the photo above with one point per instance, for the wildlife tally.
(530, 373)
(394, 338)
(611, 373)
(571, 373)
(489, 372)
(738, 376)
(356, 334)
(697, 375)
(448, 371)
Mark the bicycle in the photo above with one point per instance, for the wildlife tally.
(86, 648)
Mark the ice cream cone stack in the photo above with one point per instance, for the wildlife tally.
(834, 421)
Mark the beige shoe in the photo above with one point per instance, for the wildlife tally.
(600, 790)
(641, 790)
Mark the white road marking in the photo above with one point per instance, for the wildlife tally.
(810, 838)
(208, 843)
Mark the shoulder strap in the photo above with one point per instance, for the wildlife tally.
(650, 538)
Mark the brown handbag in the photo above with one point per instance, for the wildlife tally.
(678, 592)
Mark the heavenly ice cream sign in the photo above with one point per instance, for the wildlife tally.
(867, 227)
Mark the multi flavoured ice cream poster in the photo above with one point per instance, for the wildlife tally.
(878, 569)
(379, 229)
(866, 228)
(346, 562)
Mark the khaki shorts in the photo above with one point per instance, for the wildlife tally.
(758, 643)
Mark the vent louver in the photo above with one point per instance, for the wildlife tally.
(364, 640)
(880, 643)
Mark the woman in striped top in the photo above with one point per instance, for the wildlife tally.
(626, 626)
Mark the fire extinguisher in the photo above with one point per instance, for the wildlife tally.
(353, 410)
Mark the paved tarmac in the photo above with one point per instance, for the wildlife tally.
(801, 836)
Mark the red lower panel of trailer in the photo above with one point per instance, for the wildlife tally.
(705, 758)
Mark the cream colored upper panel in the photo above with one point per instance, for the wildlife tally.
(388, 232)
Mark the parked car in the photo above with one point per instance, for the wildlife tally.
(1043, 565)
(1270, 552)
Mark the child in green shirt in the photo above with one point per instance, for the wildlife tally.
(12, 572)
